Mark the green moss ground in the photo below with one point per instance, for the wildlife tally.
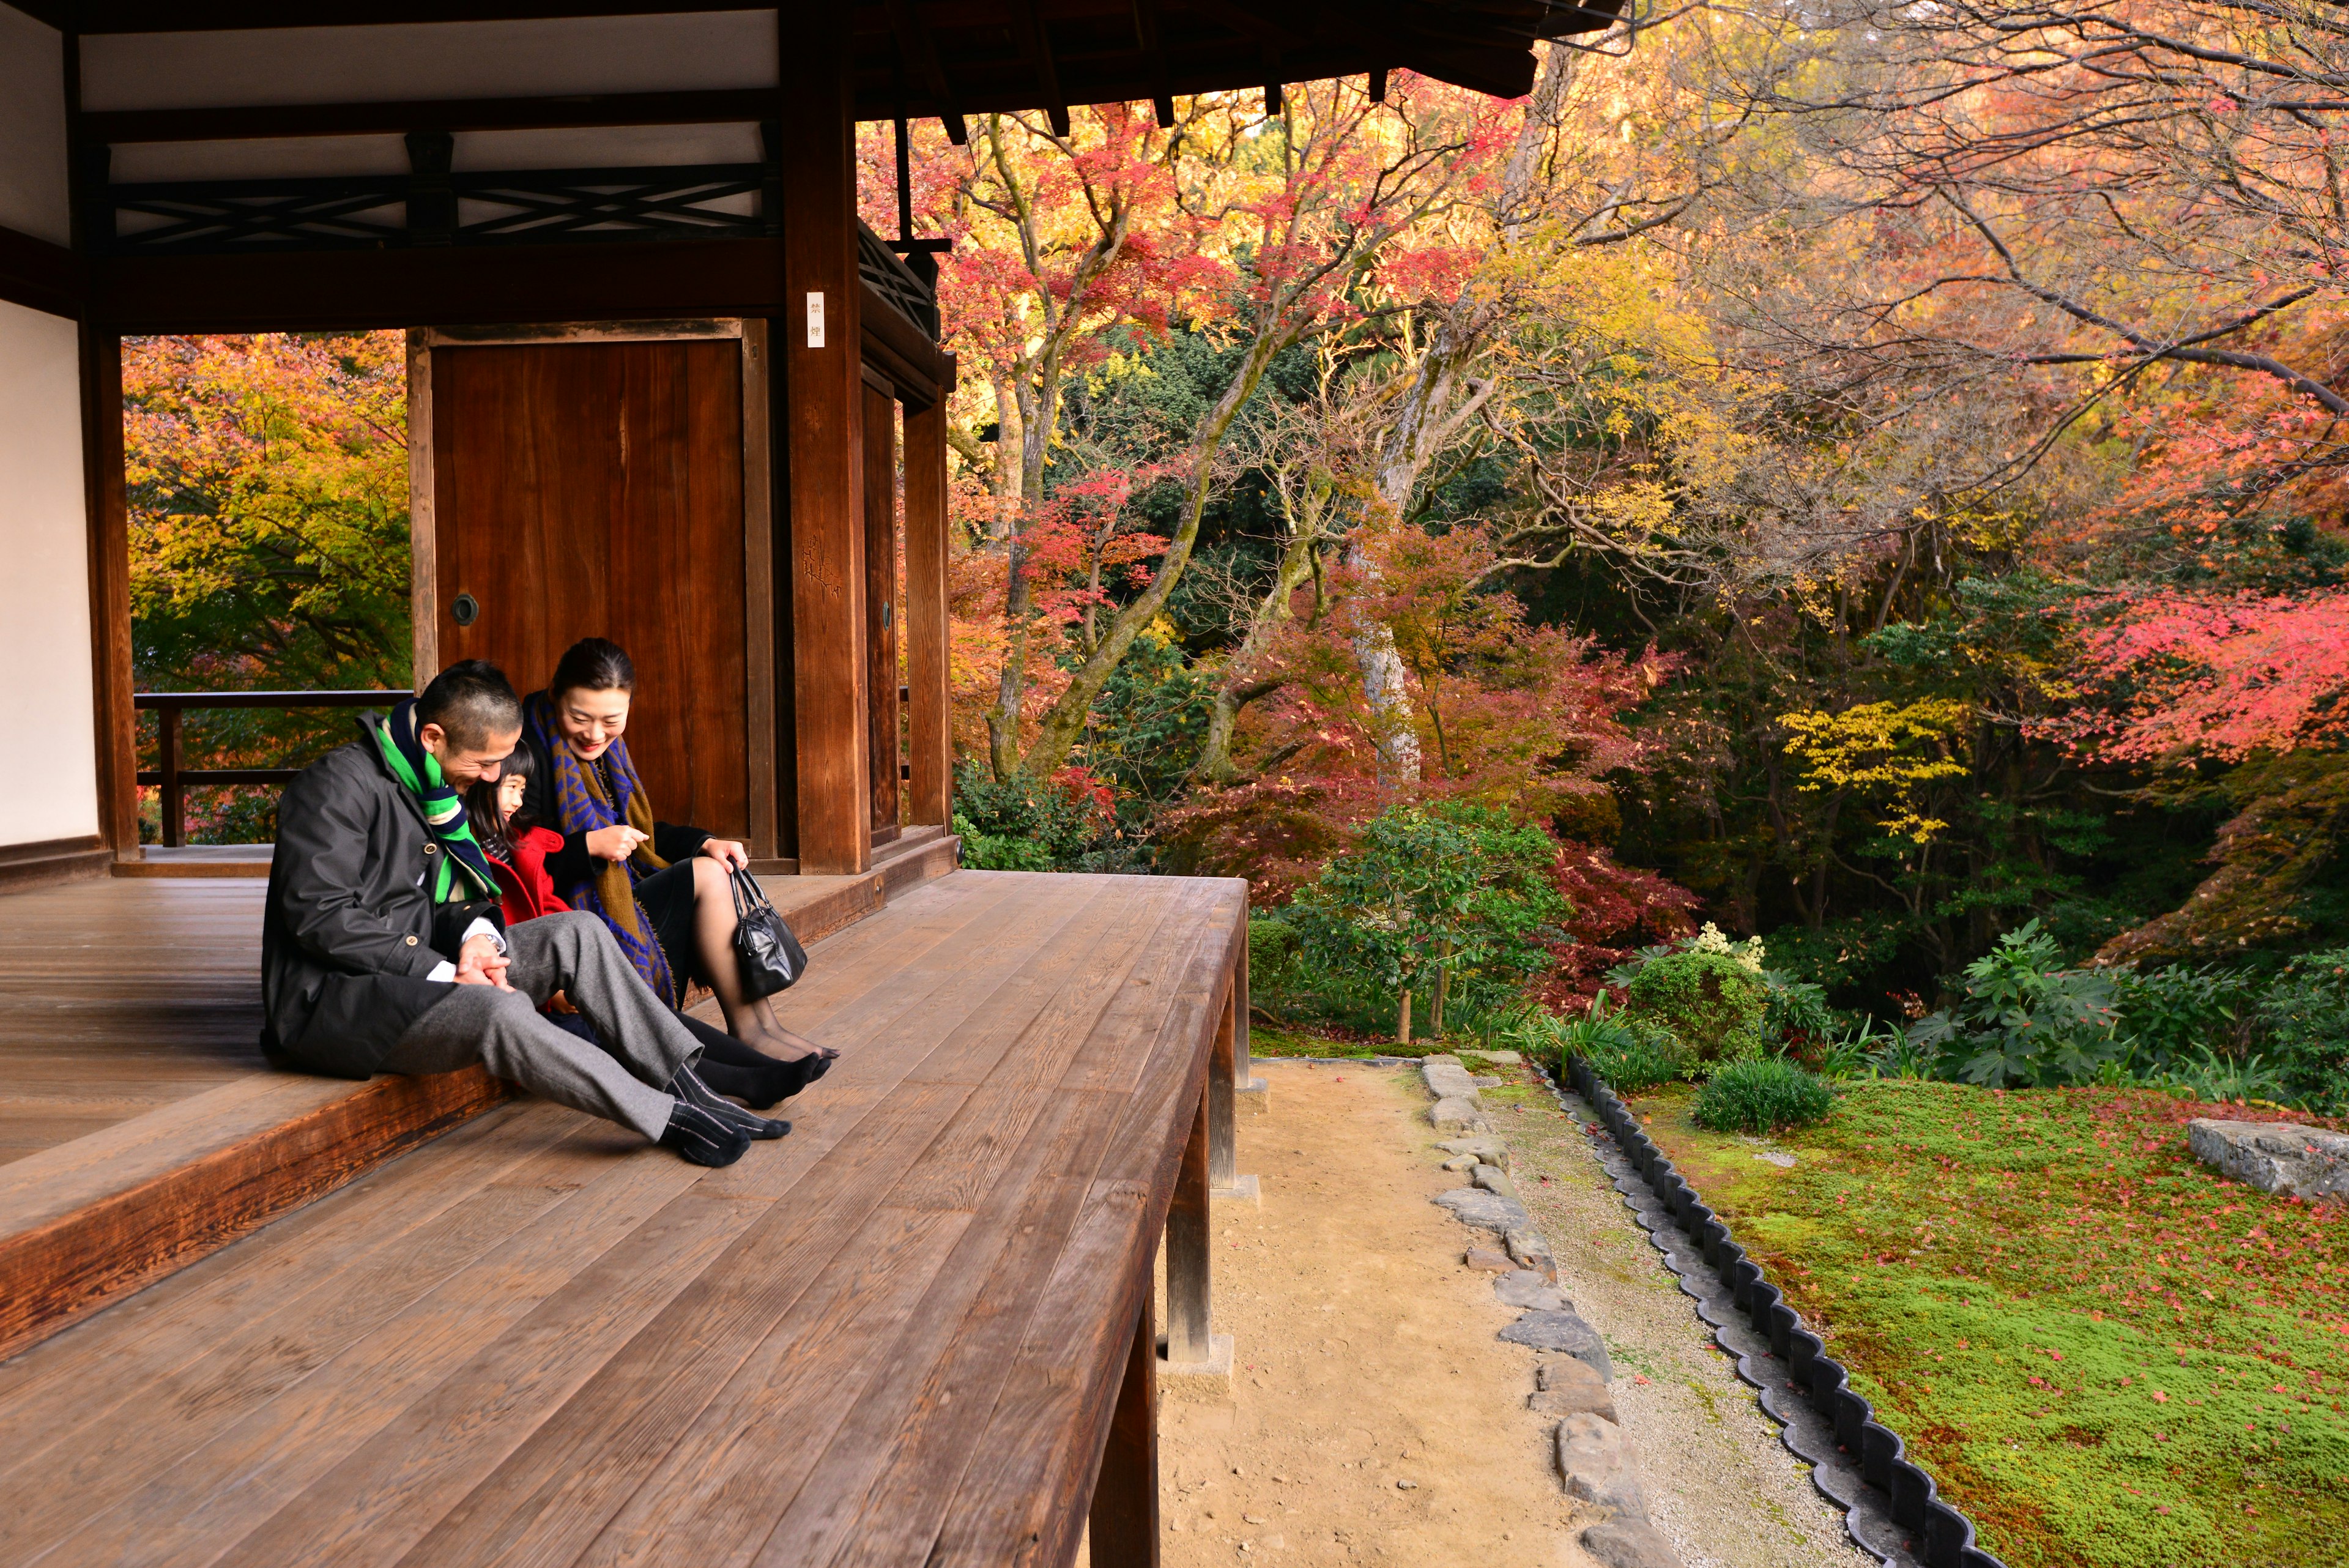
(2105, 1354)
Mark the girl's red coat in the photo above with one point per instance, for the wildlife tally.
(527, 890)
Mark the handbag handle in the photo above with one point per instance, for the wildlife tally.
(748, 896)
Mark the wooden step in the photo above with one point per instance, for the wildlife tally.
(92, 1220)
(50, 862)
(200, 860)
(918, 855)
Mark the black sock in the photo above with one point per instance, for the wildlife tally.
(688, 1087)
(700, 1137)
(762, 1085)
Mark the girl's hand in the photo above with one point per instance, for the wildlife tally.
(726, 852)
(614, 842)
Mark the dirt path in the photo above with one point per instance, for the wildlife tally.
(1374, 1419)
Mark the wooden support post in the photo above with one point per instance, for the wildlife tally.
(1189, 1284)
(109, 590)
(823, 416)
(1123, 1518)
(166, 763)
(880, 610)
(930, 792)
(1223, 1153)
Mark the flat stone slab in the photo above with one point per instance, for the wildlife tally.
(1568, 1385)
(1493, 1179)
(2274, 1156)
(1208, 1379)
(1525, 1288)
(1447, 1082)
(1493, 1058)
(1455, 1114)
(1485, 1210)
(1629, 1544)
(1594, 1459)
(1485, 1258)
(1531, 1250)
(1478, 1151)
(1562, 1331)
(1245, 1189)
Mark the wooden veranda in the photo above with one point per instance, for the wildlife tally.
(916, 1330)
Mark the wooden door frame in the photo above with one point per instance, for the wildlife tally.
(758, 513)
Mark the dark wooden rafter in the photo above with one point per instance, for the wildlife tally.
(914, 41)
(1036, 49)
(1154, 61)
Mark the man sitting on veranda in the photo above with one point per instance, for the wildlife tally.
(382, 949)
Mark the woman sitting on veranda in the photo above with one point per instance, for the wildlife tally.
(664, 889)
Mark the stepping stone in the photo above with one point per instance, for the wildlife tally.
(1566, 1385)
(1493, 1179)
(1455, 1114)
(1493, 1058)
(1531, 1251)
(1562, 1331)
(1482, 1150)
(2274, 1156)
(1629, 1544)
(1485, 1210)
(1486, 1259)
(1594, 1458)
(1524, 1288)
(1447, 1082)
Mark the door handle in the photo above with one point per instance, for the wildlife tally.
(465, 610)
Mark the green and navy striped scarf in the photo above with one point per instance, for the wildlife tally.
(418, 772)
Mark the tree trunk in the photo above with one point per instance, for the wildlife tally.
(1443, 991)
(1239, 687)
(1403, 1020)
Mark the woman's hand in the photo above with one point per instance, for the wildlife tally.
(614, 842)
(727, 853)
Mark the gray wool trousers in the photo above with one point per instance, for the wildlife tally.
(503, 1030)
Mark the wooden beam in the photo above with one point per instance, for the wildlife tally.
(824, 414)
(261, 121)
(349, 290)
(1223, 1144)
(1123, 1522)
(229, 16)
(928, 636)
(902, 352)
(40, 276)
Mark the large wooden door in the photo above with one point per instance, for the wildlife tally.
(595, 488)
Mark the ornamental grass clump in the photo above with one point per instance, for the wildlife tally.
(1761, 1096)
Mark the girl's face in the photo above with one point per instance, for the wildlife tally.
(591, 720)
(510, 788)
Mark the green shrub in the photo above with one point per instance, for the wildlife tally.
(2302, 1028)
(1029, 825)
(2176, 1014)
(1761, 1096)
(2025, 1020)
(1712, 1001)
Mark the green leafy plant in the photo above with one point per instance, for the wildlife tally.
(1442, 901)
(2172, 1015)
(2025, 1020)
(1713, 1002)
(2303, 1026)
(1761, 1096)
(2210, 1076)
(1029, 825)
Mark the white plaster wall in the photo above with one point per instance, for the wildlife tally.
(429, 59)
(33, 199)
(47, 730)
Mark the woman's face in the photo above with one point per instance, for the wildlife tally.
(591, 720)
(510, 788)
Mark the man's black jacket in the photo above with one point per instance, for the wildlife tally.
(350, 930)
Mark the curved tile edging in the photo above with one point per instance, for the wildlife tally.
(1862, 1443)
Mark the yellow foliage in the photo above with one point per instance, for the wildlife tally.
(1881, 746)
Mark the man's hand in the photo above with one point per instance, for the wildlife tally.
(614, 842)
(726, 852)
(479, 962)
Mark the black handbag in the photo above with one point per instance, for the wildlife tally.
(772, 957)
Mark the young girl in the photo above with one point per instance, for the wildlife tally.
(517, 849)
